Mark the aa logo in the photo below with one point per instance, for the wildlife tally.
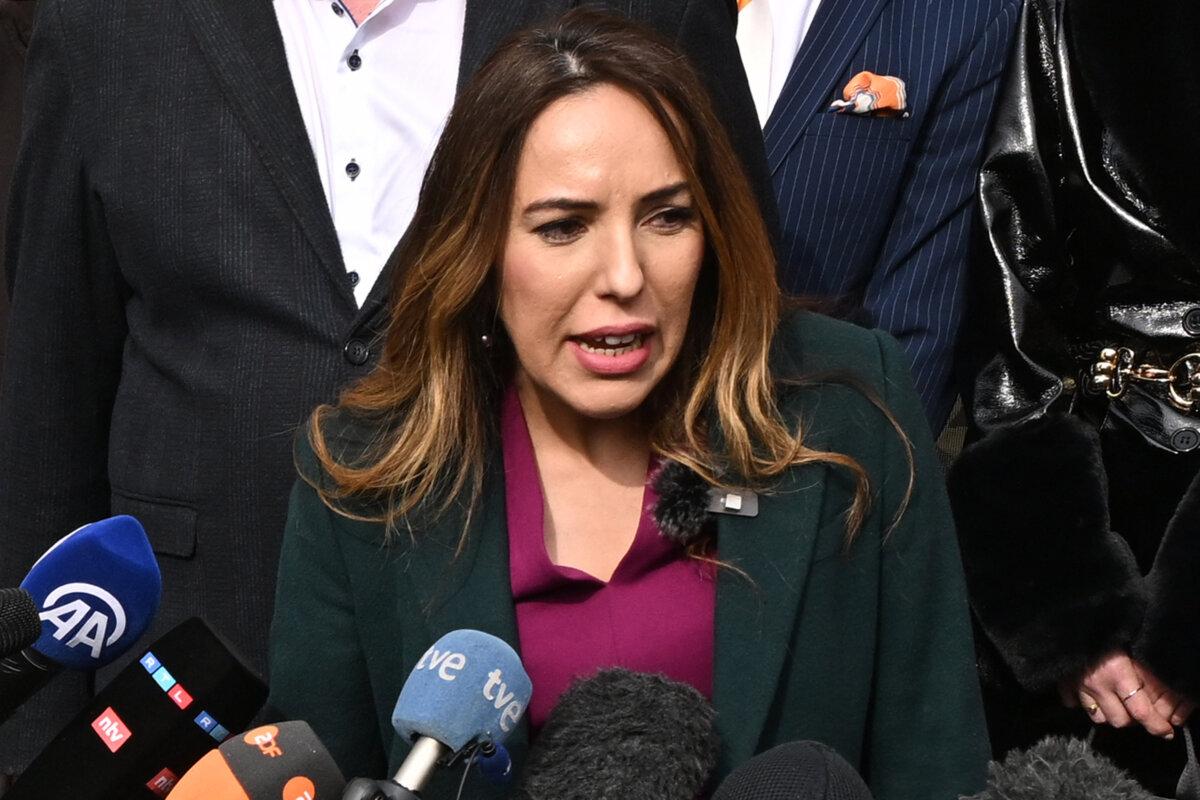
(94, 620)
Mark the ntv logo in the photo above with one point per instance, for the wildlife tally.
(91, 625)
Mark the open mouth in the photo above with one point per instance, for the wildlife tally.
(612, 346)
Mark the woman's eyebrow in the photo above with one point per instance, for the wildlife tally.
(569, 204)
(560, 204)
(665, 193)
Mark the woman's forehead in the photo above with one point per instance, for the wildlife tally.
(602, 139)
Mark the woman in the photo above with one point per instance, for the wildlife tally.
(586, 336)
(1078, 508)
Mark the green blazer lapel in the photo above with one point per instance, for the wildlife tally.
(474, 589)
(755, 618)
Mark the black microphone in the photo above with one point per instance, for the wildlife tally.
(623, 734)
(96, 591)
(1059, 768)
(157, 718)
(794, 771)
(19, 623)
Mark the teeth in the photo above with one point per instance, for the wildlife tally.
(617, 345)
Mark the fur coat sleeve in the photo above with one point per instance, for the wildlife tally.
(1052, 585)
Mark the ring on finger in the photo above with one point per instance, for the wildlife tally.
(1092, 709)
(1127, 697)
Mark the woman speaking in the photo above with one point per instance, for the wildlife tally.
(594, 433)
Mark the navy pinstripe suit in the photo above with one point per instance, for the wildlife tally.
(876, 211)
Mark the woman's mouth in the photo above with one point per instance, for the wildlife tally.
(612, 346)
(613, 353)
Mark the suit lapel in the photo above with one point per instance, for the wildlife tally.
(755, 618)
(242, 44)
(837, 30)
(472, 590)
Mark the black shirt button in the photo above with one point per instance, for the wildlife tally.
(355, 60)
(353, 276)
(356, 352)
(353, 169)
(1191, 322)
(337, 8)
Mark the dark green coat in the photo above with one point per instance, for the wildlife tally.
(868, 652)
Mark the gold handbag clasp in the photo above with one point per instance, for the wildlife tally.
(1115, 368)
(1183, 382)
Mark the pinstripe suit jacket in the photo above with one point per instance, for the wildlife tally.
(876, 211)
(179, 300)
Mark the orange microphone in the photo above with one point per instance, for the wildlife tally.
(285, 760)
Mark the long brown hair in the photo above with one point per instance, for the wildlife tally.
(434, 396)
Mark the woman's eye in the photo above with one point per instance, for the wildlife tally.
(673, 218)
(560, 231)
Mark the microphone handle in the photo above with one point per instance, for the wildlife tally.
(367, 789)
(21, 676)
(415, 771)
(418, 766)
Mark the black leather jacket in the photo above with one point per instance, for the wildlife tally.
(1093, 232)
(1076, 509)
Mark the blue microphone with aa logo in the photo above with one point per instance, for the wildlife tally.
(96, 591)
(469, 690)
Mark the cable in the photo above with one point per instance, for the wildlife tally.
(466, 771)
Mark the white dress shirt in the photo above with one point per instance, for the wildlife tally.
(769, 36)
(374, 97)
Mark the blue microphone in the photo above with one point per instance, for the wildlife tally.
(495, 764)
(468, 690)
(96, 591)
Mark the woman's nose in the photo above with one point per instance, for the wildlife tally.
(621, 274)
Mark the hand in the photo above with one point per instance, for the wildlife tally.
(1171, 705)
(1119, 691)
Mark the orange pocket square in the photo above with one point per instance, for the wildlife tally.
(868, 93)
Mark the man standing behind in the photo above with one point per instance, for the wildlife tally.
(204, 202)
(874, 113)
(16, 21)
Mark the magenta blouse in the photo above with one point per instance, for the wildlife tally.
(654, 615)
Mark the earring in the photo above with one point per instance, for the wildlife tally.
(487, 341)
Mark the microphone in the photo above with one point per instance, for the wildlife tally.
(19, 622)
(157, 718)
(495, 764)
(795, 771)
(285, 760)
(96, 591)
(1058, 767)
(623, 734)
(468, 690)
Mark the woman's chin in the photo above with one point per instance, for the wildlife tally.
(609, 400)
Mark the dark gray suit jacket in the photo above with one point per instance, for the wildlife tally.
(179, 301)
(16, 20)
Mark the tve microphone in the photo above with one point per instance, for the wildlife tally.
(156, 719)
(623, 734)
(794, 771)
(19, 622)
(469, 689)
(285, 760)
(96, 591)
